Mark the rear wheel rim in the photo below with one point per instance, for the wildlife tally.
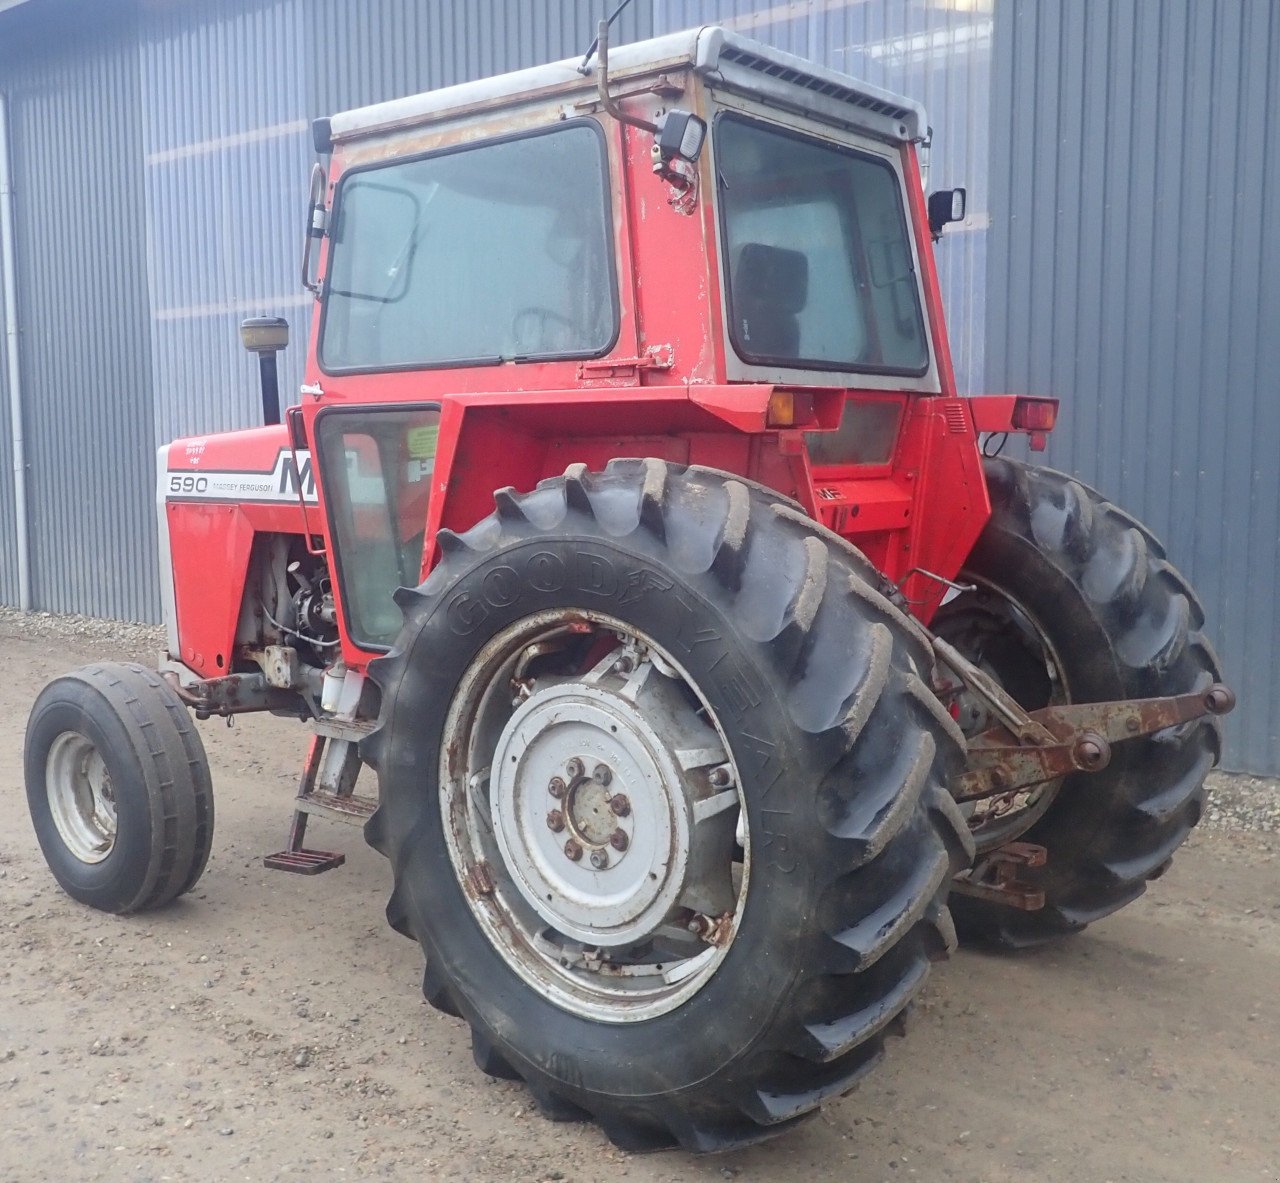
(1026, 664)
(82, 800)
(594, 817)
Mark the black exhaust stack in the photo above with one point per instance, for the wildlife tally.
(266, 336)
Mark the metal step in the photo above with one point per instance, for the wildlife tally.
(304, 862)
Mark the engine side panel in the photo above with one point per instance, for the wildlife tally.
(216, 493)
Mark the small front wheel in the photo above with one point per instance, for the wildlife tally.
(118, 787)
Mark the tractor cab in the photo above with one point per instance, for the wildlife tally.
(699, 242)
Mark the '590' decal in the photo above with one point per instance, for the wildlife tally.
(282, 483)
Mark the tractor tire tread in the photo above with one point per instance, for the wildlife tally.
(890, 838)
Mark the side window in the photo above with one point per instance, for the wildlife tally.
(376, 467)
(499, 251)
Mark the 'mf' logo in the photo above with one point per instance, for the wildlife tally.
(296, 477)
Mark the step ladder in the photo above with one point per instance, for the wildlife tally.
(327, 788)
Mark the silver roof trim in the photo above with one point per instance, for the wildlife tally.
(723, 57)
(749, 67)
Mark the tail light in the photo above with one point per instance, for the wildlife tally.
(1035, 414)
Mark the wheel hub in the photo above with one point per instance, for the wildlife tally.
(81, 797)
(590, 811)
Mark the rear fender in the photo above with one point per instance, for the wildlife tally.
(488, 442)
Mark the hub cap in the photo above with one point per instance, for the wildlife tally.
(82, 800)
(594, 818)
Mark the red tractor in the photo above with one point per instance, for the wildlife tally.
(708, 656)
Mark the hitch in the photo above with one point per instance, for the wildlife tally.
(1025, 749)
(1031, 748)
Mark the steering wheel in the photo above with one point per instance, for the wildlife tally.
(532, 327)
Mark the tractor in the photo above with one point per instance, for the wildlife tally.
(711, 665)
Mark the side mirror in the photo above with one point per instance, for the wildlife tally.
(945, 206)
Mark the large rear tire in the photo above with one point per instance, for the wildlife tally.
(693, 645)
(1075, 601)
(118, 787)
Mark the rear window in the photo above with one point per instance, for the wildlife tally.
(820, 272)
(495, 252)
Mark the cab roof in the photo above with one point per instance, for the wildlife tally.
(725, 59)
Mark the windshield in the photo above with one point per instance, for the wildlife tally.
(495, 252)
(818, 260)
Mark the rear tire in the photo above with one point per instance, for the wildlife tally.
(1120, 622)
(118, 787)
(765, 628)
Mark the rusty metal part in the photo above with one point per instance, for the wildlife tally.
(721, 777)
(573, 850)
(1021, 725)
(607, 101)
(620, 803)
(995, 877)
(574, 768)
(295, 857)
(714, 930)
(619, 840)
(1080, 739)
(557, 788)
(236, 694)
(555, 821)
(479, 879)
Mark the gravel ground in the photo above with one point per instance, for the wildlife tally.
(271, 1027)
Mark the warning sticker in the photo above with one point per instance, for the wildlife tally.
(422, 441)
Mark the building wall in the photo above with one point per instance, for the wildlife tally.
(81, 261)
(1135, 271)
(163, 149)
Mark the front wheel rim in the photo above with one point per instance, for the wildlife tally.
(82, 800)
(593, 816)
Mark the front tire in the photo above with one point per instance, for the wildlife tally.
(1075, 601)
(695, 637)
(118, 787)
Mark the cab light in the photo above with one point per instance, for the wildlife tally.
(1035, 414)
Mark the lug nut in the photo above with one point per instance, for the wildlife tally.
(721, 778)
(572, 850)
(620, 805)
(556, 787)
(574, 768)
(619, 840)
(602, 774)
(555, 821)
(599, 860)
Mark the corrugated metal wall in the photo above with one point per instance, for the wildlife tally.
(9, 593)
(1131, 226)
(1135, 271)
(84, 348)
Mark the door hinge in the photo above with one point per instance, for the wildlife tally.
(656, 357)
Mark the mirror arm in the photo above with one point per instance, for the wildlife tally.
(609, 103)
(315, 227)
